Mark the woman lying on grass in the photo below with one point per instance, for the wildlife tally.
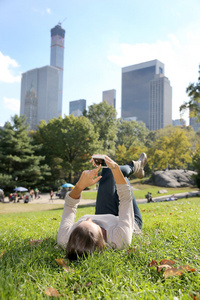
(117, 215)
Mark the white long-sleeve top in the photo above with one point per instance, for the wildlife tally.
(119, 228)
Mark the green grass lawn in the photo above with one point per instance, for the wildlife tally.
(140, 190)
(171, 230)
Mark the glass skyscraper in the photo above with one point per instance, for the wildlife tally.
(77, 107)
(41, 88)
(146, 95)
(57, 58)
(39, 95)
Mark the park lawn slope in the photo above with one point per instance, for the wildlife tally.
(28, 269)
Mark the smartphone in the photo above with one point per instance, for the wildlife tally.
(99, 159)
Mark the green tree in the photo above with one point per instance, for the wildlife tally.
(17, 155)
(196, 163)
(130, 132)
(150, 139)
(103, 118)
(193, 92)
(173, 148)
(124, 155)
(68, 144)
(135, 150)
(6, 180)
(121, 154)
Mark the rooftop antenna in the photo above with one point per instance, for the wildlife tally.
(60, 23)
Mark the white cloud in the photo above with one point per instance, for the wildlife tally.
(12, 103)
(7, 67)
(42, 11)
(48, 10)
(181, 59)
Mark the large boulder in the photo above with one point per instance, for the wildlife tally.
(173, 178)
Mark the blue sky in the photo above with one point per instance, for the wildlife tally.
(102, 36)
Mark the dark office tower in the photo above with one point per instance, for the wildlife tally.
(57, 58)
(146, 95)
(77, 107)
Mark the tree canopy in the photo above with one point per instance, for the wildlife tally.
(103, 118)
(68, 144)
(124, 155)
(196, 162)
(130, 132)
(17, 155)
(193, 91)
(172, 148)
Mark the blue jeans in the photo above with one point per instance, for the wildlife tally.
(107, 199)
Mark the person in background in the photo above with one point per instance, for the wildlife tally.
(147, 197)
(2, 196)
(31, 194)
(15, 197)
(150, 198)
(36, 191)
(27, 197)
(11, 197)
(51, 195)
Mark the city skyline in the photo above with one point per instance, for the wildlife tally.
(97, 49)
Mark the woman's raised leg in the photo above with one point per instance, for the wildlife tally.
(107, 199)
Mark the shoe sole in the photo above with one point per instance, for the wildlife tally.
(143, 160)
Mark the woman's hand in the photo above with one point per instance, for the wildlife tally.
(113, 166)
(110, 163)
(88, 178)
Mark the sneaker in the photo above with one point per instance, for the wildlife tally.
(139, 166)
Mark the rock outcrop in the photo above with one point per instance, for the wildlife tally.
(173, 178)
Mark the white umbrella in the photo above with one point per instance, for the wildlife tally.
(20, 189)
